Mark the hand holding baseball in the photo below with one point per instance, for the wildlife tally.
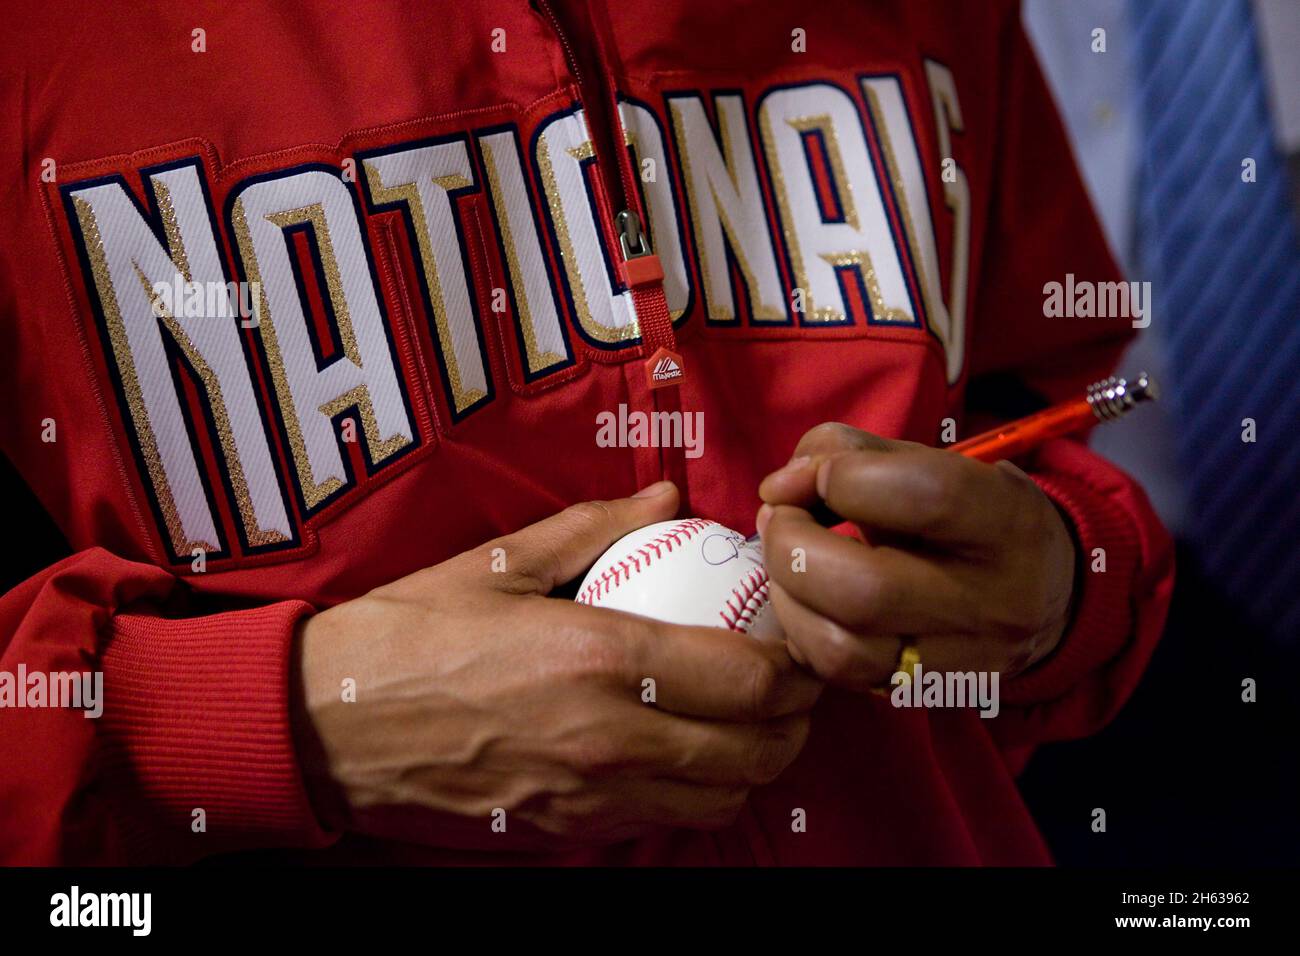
(475, 692)
(969, 562)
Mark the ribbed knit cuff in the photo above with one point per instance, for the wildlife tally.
(197, 713)
(1103, 613)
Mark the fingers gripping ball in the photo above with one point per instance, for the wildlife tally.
(688, 571)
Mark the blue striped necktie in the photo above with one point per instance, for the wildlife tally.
(1224, 261)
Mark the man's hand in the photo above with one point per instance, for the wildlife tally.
(476, 693)
(970, 562)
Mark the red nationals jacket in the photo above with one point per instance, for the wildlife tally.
(855, 209)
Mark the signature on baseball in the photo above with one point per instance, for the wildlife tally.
(720, 548)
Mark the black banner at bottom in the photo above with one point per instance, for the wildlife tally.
(442, 906)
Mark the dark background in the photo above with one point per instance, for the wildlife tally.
(1188, 773)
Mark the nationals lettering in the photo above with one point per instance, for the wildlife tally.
(805, 210)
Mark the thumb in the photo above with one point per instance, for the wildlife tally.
(557, 549)
(795, 483)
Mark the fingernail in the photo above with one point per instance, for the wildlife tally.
(823, 479)
(794, 464)
(655, 490)
(763, 517)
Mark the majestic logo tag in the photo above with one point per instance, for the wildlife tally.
(664, 368)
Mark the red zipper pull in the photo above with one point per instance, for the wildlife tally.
(644, 275)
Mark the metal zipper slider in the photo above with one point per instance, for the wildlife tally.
(635, 243)
(641, 267)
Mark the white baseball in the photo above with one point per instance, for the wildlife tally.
(689, 571)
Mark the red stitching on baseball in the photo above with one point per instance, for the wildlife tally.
(748, 597)
(686, 529)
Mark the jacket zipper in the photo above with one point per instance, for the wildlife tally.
(621, 184)
(619, 177)
(641, 269)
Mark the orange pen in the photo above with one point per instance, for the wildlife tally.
(1105, 401)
